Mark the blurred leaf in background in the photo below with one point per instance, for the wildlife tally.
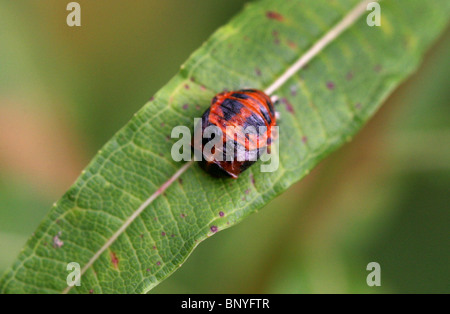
(384, 198)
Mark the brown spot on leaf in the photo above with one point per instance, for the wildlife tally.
(330, 85)
(291, 44)
(114, 260)
(252, 179)
(276, 39)
(274, 15)
(349, 76)
(288, 105)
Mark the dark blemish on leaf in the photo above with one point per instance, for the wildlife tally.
(192, 79)
(57, 243)
(185, 106)
(304, 139)
(114, 260)
(244, 199)
(156, 218)
(330, 85)
(141, 236)
(168, 138)
(378, 68)
(180, 181)
(45, 243)
(154, 247)
(358, 106)
(349, 76)
(291, 44)
(91, 291)
(163, 233)
(148, 270)
(257, 71)
(202, 87)
(186, 86)
(276, 39)
(172, 235)
(247, 191)
(214, 229)
(158, 263)
(161, 154)
(288, 105)
(58, 221)
(163, 124)
(152, 98)
(182, 215)
(252, 178)
(274, 15)
(198, 107)
(221, 214)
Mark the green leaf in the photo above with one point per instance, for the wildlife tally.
(126, 242)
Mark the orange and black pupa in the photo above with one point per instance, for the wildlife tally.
(243, 121)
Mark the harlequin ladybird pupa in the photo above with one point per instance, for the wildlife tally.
(242, 124)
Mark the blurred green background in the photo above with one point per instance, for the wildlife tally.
(382, 198)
